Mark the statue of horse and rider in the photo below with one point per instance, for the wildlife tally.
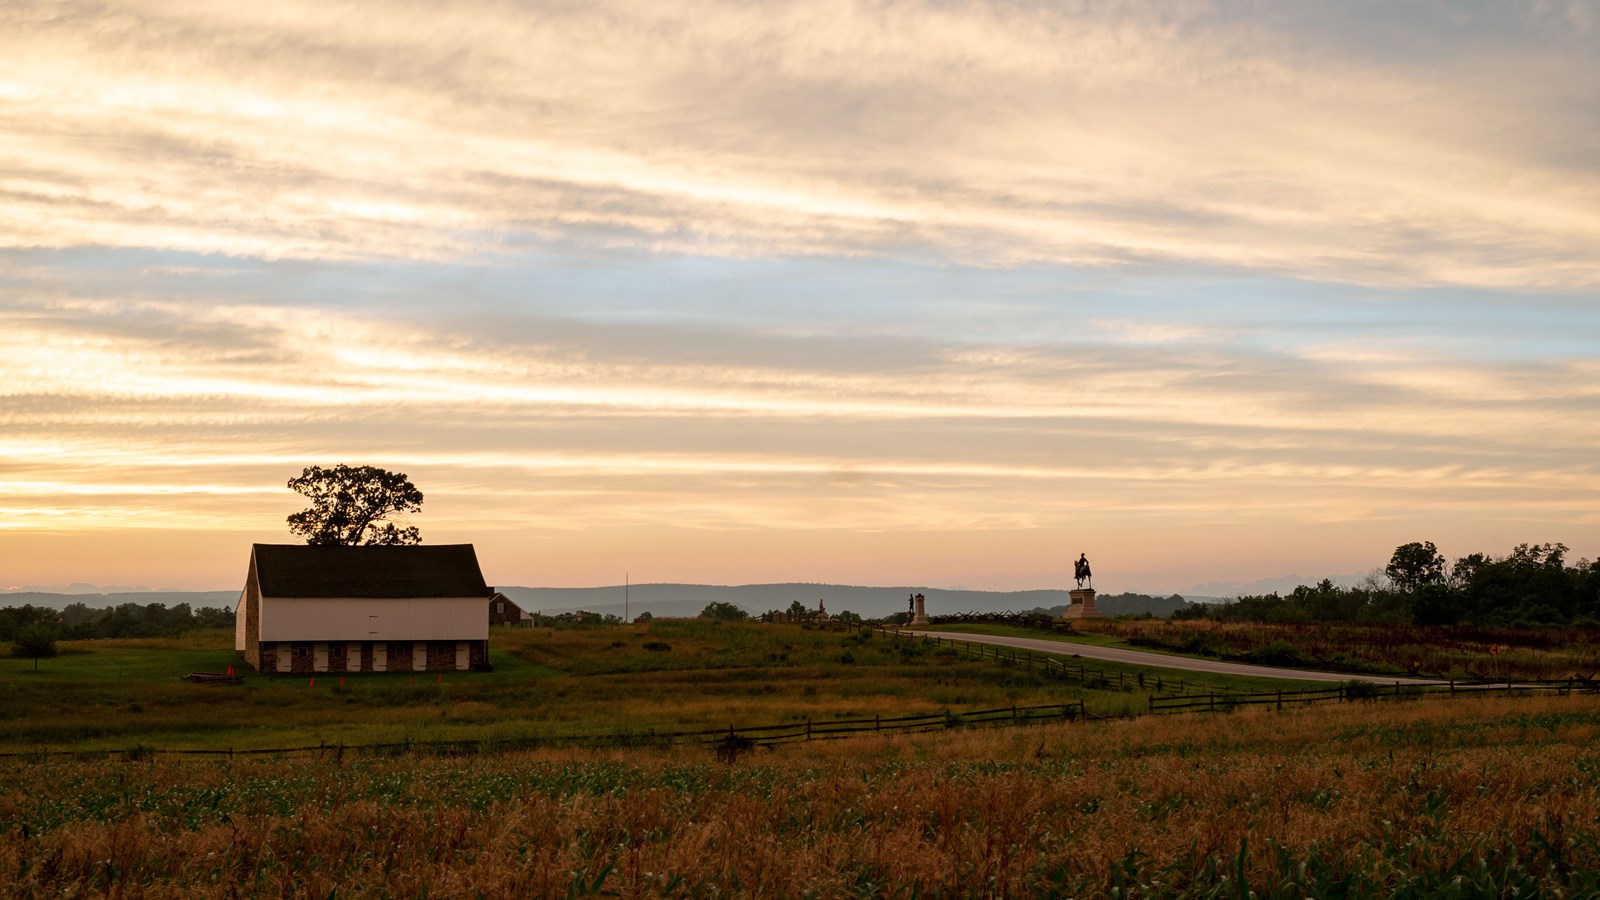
(1080, 570)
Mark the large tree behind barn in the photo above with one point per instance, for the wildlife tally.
(350, 503)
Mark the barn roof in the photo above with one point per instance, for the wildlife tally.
(436, 570)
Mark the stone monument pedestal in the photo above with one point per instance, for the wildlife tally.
(1082, 605)
(919, 616)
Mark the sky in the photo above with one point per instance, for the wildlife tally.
(927, 293)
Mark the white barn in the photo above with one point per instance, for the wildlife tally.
(363, 609)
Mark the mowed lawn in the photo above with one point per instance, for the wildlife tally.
(664, 676)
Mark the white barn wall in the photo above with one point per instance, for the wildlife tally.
(374, 619)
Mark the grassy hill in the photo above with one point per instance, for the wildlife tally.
(664, 675)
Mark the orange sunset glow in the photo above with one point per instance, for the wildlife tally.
(921, 293)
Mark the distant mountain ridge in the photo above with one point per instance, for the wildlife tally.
(870, 602)
(195, 599)
(689, 599)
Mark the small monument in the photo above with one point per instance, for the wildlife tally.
(1082, 598)
(919, 613)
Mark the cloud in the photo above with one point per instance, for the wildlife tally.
(1303, 141)
(914, 286)
(149, 413)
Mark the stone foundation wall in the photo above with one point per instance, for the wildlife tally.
(441, 655)
(399, 657)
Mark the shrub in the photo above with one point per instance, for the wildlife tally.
(723, 611)
(1361, 690)
(35, 642)
(1276, 653)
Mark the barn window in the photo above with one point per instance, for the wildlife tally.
(499, 607)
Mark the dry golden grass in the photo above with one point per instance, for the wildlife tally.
(1383, 798)
(1447, 652)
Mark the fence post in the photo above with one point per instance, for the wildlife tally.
(808, 728)
(877, 723)
(1280, 699)
(1211, 703)
(1452, 687)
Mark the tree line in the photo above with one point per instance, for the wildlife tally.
(1531, 586)
(79, 621)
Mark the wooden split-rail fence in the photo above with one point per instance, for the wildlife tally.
(726, 741)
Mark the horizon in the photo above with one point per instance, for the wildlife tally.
(855, 294)
(1282, 584)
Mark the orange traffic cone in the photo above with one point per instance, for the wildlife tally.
(341, 681)
(441, 679)
(313, 682)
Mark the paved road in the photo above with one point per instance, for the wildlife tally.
(1163, 660)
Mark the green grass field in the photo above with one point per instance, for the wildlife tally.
(661, 676)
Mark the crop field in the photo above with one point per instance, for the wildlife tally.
(1438, 797)
(1471, 796)
(634, 679)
